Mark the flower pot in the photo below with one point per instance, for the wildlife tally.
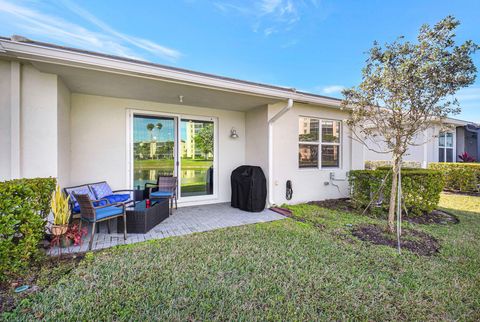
(65, 242)
(58, 230)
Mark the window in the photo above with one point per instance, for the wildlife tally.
(445, 147)
(319, 143)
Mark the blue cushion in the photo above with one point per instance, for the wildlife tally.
(161, 194)
(101, 189)
(76, 209)
(119, 197)
(81, 190)
(106, 212)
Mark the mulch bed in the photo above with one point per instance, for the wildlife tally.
(415, 241)
(434, 217)
(9, 299)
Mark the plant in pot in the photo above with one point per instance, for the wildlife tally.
(61, 212)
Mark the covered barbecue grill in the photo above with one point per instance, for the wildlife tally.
(249, 188)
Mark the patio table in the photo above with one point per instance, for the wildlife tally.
(141, 219)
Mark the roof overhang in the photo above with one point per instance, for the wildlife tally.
(46, 53)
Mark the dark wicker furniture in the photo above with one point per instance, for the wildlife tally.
(165, 188)
(91, 189)
(141, 219)
(92, 214)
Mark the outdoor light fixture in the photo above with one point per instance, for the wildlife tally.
(180, 98)
(233, 133)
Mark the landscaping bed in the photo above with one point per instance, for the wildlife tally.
(415, 241)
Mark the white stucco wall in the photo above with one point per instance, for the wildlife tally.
(38, 123)
(98, 139)
(4, 120)
(309, 184)
(256, 124)
(63, 128)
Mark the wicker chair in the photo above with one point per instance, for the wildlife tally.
(92, 214)
(166, 187)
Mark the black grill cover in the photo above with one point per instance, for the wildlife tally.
(249, 188)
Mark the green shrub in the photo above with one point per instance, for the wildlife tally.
(24, 207)
(421, 189)
(462, 177)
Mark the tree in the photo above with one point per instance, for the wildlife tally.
(204, 139)
(406, 89)
(150, 127)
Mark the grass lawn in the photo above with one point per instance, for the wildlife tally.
(187, 164)
(284, 270)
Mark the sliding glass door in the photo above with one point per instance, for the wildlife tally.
(196, 157)
(174, 146)
(153, 148)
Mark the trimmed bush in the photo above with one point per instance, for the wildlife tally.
(24, 207)
(461, 177)
(421, 189)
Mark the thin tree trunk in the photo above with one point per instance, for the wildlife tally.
(393, 195)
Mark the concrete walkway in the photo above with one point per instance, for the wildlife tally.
(183, 221)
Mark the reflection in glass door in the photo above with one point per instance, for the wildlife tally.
(196, 155)
(153, 148)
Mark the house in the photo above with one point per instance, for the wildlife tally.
(83, 117)
(442, 145)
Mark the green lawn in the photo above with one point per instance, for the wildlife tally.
(186, 164)
(285, 270)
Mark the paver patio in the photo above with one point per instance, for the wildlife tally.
(183, 221)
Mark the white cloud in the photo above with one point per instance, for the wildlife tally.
(106, 39)
(269, 16)
(332, 89)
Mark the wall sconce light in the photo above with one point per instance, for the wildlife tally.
(233, 133)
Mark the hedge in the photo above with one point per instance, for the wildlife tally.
(421, 189)
(24, 207)
(461, 177)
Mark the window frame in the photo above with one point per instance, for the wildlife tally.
(320, 143)
(445, 147)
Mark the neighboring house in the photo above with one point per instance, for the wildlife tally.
(83, 117)
(443, 145)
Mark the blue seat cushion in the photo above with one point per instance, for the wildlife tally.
(76, 209)
(106, 212)
(161, 194)
(119, 197)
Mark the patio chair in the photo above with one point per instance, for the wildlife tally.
(99, 191)
(166, 187)
(92, 214)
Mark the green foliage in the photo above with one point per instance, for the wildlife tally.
(204, 139)
(421, 189)
(462, 177)
(24, 207)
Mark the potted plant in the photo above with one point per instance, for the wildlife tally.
(61, 212)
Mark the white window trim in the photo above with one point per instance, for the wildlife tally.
(131, 112)
(453, 147)
(319, 143)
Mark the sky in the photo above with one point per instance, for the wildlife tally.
(316, 46)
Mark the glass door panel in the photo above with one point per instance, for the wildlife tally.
(196, 155)
(153, 148)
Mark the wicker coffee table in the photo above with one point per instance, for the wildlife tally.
(141, 219)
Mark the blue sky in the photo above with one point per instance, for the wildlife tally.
(312, 45)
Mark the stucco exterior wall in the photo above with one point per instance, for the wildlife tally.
(63, 143)
(5, 120)
(309, 184)
(99, 139)
(38, 123)
(256, 127)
